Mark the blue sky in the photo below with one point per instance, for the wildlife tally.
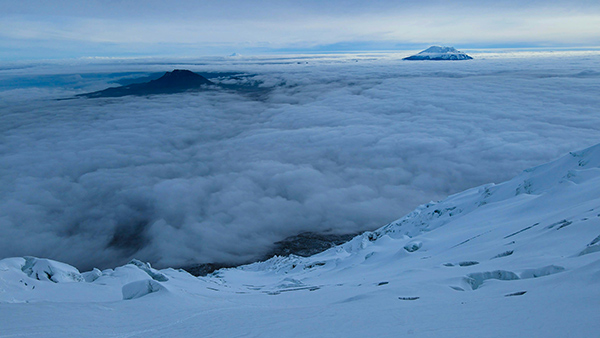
(35, 29)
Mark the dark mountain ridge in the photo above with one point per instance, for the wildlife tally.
(177, 81)
(304, 244)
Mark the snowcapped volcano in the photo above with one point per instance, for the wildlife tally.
(439, 53)
(520, 258)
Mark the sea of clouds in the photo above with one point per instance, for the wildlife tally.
(335, 144)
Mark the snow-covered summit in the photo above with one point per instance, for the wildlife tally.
(439, 53)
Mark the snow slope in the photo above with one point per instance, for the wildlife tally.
(520, 258)
(439, 53)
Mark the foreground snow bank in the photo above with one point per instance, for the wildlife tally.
(141, 288)
(41, 269)
(49, 270)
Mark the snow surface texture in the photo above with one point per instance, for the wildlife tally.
(502, 260)
(326, 143)
(440, 54)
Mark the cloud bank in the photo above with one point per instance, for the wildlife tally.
(60, 29)
(329, 144)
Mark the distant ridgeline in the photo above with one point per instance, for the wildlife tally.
(177, 81)
(304, 244)
(438, 53)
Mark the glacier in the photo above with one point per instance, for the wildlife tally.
(439, 53)
(519, 258)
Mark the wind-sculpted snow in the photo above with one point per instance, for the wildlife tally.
(154, 274)
(48, 270)
(141, 288)
(327, 144)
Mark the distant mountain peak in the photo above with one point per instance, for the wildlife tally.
(440, 49)
(176, 81)
(180, 78)
(180, 72)
(440, 53)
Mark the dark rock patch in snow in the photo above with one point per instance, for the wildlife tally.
(315, 264)
(541, 272)
(413, 246)
(589, 250)
(468, 263)
(469, 239)
(408, 298)
(206, 268)
(475, 280)
(591, 247)
(594, 241)
(369, 255)
(519, 293)
(504, 254)
(520, 231)
(561, 224)
(525, 188)
(308, 243)
(304, 244)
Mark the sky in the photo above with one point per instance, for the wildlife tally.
(37, 29)
(333, 144)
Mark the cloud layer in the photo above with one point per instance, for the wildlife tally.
(328, 144)
(60, 29)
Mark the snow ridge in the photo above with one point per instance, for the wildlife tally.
(575, 168)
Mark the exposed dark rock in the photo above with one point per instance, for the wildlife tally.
(520, 231)
(476, 279)
(305, 244)
(520, 293)
(177, 81)
(504, 254)
(413, 246)
(308, 243)
(408, 298)
(207, 268)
